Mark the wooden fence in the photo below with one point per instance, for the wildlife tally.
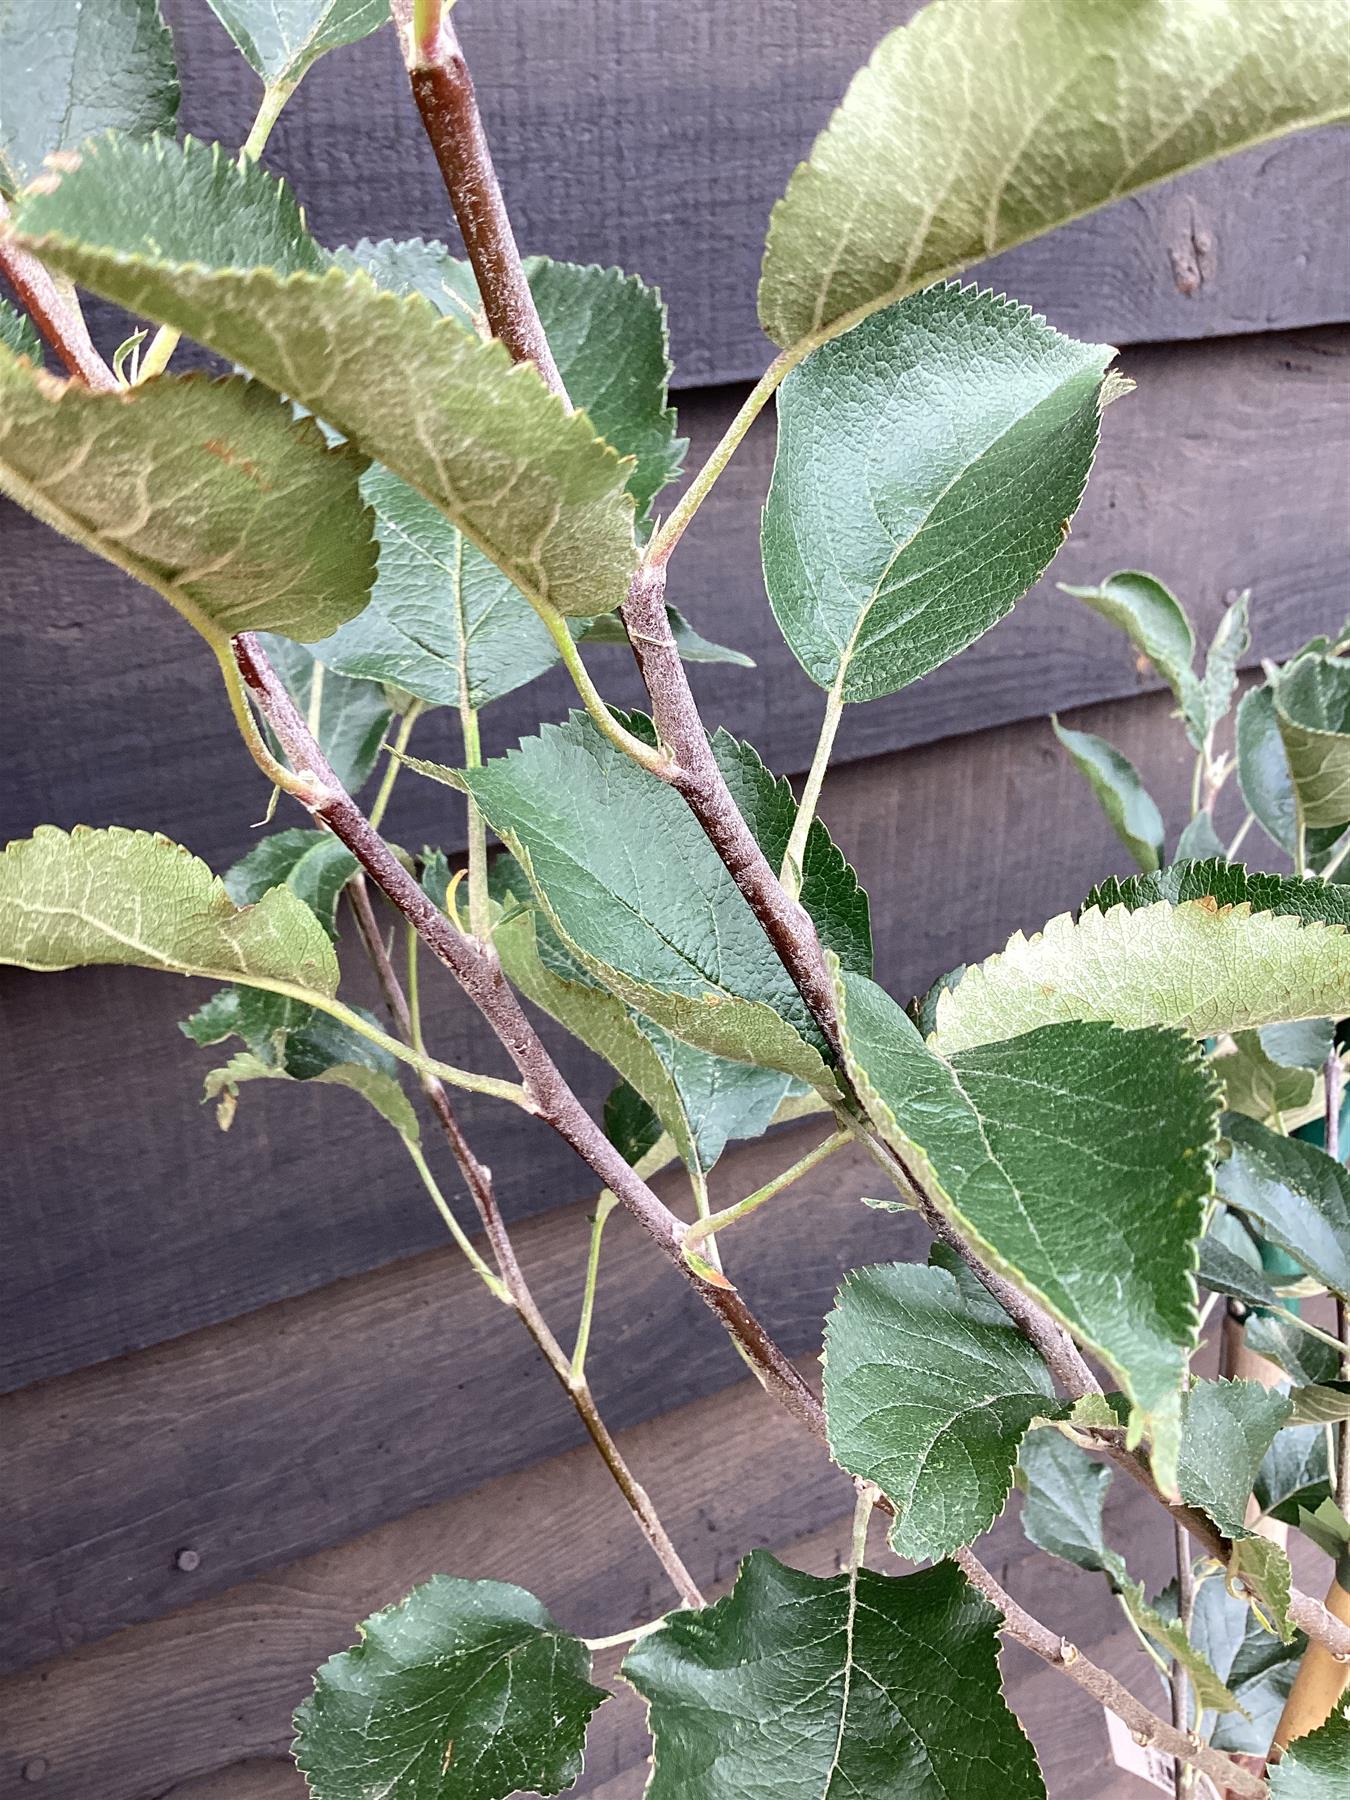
(249, 1393)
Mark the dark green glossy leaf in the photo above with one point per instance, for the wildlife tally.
(68, 72)
(998, 1138)
(1063, 1492)
(1303, 1358)
(1263, 768)
(467, 1690)
(888, 546)
(798, 1687)
(1225, 1269)
(1294, 1473)
(1228, 884)
(312, 864)
(1317, 1766)
(929, 1399)
(1312, 709)
(630, 1124)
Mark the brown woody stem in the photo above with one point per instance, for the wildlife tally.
(443, 90)
(478, 1179)
(478, 972)
(1147, 1727)
(56, 314)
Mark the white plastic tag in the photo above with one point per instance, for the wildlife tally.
(1148, 1762)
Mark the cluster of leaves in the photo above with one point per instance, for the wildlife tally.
(419, 523)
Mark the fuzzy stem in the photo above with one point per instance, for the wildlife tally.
(494, 1283)
(1180, 1681)
(604, 1206)
(1019, 1625)
(1334, 1078)
(795, 855)
(697, 1234)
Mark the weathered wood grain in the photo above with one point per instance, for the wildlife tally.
(129, 1219)
(289, 1429)
(658, 138)
(198, 1705)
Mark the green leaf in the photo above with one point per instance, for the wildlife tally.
(645, 903)
(1170, 1637)
(1199, 840)
(525, 481)
(442, 613)
(978, 126)
(1328, 1403)
(1312, 710)
(1257, 1669)
(1262, 1568)
(930, 1400)
(1295, 1194)
(888, 546)
(1305, 1359)
(1314, 1767)
(377, 1086)
(1201, 946)
(1304, 1044)
(443, 623)
(1263, 768)
(17, 334)
(1257, 1085)
(798, 1686)
(210, 492)
(830, 891)
(67, 73)
(998, 1139)
(467, 1690)
(1294, 1473)
(312, 864)
(1157, 625)
(1230, 644)
(1225, 1270)
(1226, 1429)
(691, 644)
(353, 716)
(283, 39)
(119, 896)
(1229, 885)
(1120, 792)
(1063, 1494)
(700, 1100)
(630, 1124)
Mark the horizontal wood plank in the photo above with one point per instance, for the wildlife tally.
(129, 1219)
(278, 1433)
(658, 138)
(198, 1705)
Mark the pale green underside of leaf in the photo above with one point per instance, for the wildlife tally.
(119, 896)
(1312, 708)
(928, 464)
(1226, 1429)
(443, 617)
(526, 482)
(281, 39)
(979, 126)
(803, 1688)
(209, 491)
(700, 1100)
(381, 1090)
(929, 1400)
(641, 898)
(69, 71)
(1120, 792)
(999, 1140)
(1201, 966)
(1155, 622)
(467, 1690)
(1261, 1088)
